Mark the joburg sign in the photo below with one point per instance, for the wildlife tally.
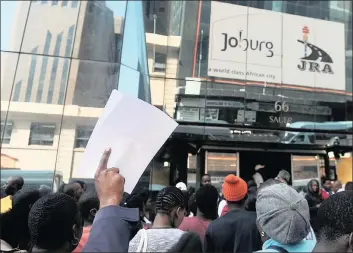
(265, 46)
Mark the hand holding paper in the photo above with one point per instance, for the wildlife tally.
(134, 130)
(108, 182)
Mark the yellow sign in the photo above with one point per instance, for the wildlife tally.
(6, 204)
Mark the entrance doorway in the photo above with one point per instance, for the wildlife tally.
(273, 161)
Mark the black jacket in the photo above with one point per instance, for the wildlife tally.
(313, 198)
(236, 231)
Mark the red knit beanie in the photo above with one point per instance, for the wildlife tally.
(234, 188)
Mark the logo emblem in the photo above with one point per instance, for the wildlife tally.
(311, 62)
(317, 54)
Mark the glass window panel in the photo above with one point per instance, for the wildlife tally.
(91, 41)
(42, 134)
(6, 131)
(8, 70)
(134, 53)
(82, 136)
(74, 4)
(41, 79)
(59, 22)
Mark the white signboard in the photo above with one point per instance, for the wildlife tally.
(265, 46)
(188, 114)
(127, 126)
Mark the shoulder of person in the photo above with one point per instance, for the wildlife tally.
(5, 247)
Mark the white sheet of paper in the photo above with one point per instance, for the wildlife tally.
(134, 130)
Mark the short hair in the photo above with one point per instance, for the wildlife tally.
(207, 201)
(206, 175)
(335, 216)
(51, 220)
(186, 201)
(192, 204)
(169, 198)
(250, 203)
(88, 201)
(268, 182)
(14, 224)
(83, 184)
(135, 200)
(18, 180)
(348, 186)
(69, 189)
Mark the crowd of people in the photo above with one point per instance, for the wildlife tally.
(263, 216)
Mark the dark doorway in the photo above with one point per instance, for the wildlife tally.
(273, 161)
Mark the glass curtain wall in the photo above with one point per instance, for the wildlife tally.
(60, 61)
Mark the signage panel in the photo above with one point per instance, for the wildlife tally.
(259, 45)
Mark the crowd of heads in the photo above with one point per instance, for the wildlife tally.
(282, 213)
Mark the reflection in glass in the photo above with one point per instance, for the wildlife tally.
(83, 133)
(42, 134)
(6, 131)
(32, 70)
(16, 94)
(44, 67)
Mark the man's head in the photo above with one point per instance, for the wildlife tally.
(283, 176)
(88, 205)
(22, 201)
(206, 179)
(234, 190)
(74, 190)
(282, 213)
(44, 190)
(207, 201)
(348, 186)
(336, 186)
(170, 202)
(55, 223)
(336, 222)
(137, 200)
(326, 184)
(13, 185)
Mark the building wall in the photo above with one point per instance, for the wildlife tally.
(60, 61)
(188, 93)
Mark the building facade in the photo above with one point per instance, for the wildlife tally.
(248, 72)
(60, 60)
(243, 72)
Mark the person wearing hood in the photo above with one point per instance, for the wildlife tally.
(283, 219)
(314, 198)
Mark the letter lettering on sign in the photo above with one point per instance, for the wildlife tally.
(314, 67)
(225, 41)
(302, 66)
(327, 69)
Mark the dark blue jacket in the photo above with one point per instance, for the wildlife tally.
(110, 231)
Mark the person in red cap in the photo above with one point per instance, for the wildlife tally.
(236, 231)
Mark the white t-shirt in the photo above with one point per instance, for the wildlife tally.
(221, 205)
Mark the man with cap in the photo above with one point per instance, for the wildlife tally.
(283, 176)
(236, 231)
(283, 219)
